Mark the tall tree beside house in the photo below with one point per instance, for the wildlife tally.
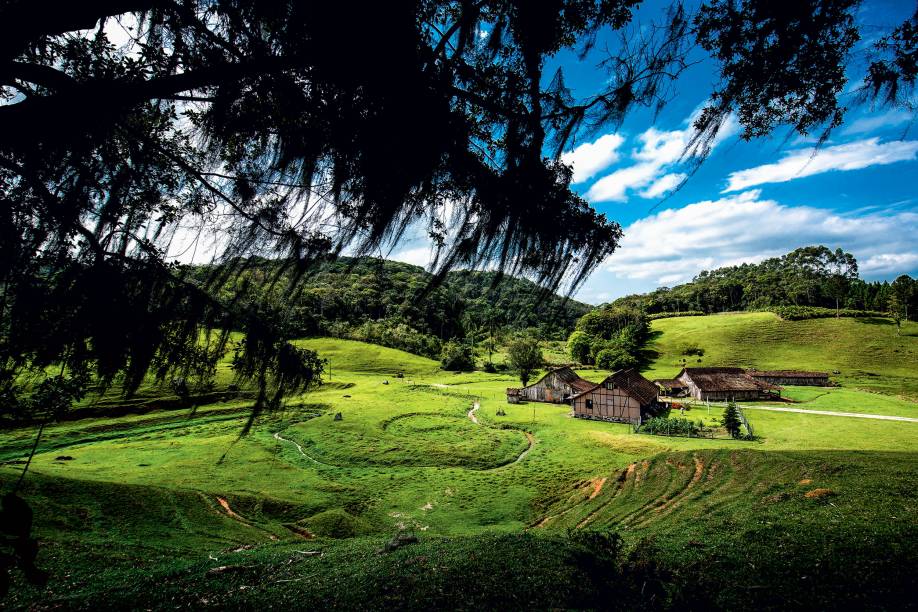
(525, 358)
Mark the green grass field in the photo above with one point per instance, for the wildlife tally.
(866, 352)
(151, 506)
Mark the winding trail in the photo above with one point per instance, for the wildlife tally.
(529, 438)
(472, 416)
(277, 436)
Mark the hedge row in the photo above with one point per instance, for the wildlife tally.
(799, 313)
(683, 313)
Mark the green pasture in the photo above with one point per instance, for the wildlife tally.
(867, 352)
(147, 490)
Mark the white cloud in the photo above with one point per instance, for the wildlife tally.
(614, 187)
(591, 157)
(663, 185)
(419, 256)
(659, 152)
(801, 163)
(872, 123)
(672, 246)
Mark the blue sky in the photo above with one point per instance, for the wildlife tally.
(749, 200)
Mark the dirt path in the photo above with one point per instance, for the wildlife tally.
(529, 438)
(277, 436)
(857, 415)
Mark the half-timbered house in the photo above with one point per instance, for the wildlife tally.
(624, 397)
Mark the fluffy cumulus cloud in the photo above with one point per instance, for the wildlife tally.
(591, 157)
(654, 160)
(672, 246)
(807, 162)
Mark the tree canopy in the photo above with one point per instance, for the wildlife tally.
(297, 131)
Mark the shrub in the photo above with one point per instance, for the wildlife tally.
(731, 420)
(457, 357)
(670, 315)
(693, 349)
(662, 426)
(489, 367)
(615, 358)
(578, 347)
(799, 313)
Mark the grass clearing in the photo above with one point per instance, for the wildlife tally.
(405, 455)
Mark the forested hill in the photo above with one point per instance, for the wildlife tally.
(813, 276)
(384, 301)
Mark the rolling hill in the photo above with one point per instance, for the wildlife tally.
(867, 353)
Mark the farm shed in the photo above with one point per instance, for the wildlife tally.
(725, 384)
(791, 377)
(623, 397)
(557, 386)
(673, 387)
(513, 395)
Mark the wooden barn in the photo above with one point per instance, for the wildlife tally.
(791, 377)
(671, 387)
(725, 384)
(623, 397)
(557, 386)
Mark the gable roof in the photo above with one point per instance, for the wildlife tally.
(669, 383)
(631, 381)
(714, 380)
(568, 376)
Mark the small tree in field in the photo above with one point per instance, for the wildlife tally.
(732, 420)
(525, 357)
(896, 310)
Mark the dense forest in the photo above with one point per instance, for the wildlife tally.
(812, 276)
(395, 304)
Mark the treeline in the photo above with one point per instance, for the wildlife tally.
(813, 276)
(393, 304)
(610, 337)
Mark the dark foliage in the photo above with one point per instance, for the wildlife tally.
(791, 285)
(731, 420)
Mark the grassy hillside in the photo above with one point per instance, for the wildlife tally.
(151, 506)
(867, 352)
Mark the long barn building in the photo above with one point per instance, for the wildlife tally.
(725, 384)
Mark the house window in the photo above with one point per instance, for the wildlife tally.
(589, 404)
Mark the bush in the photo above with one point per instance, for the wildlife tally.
(693, 349)
(731, 420)
(457, 357)
(615, 358)
(489, 367)
(578, 347)
(670, 315)
(662, 426)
